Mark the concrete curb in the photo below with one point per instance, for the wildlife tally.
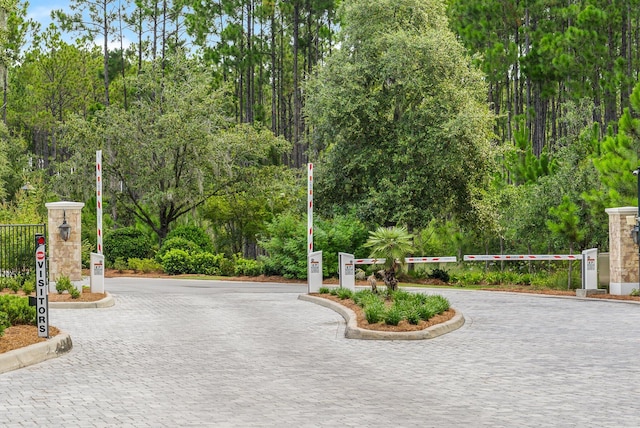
(352, 330)
(103, 303)
(36, 353)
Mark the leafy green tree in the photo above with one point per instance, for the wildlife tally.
(97, 21)
(393, 244)
(398, 116)
(615, 158)
(523, 165)
(565, 223)
(285, 242)
(174, 148)
(239, 215)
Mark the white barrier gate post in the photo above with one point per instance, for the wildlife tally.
(97, 273)
(314, 274)
(347, 271)
(590, 269)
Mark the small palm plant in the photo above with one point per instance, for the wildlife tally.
(393, 244)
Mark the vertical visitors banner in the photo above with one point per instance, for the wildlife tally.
(99, 199)
(42, 294)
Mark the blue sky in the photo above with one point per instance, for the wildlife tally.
(40, 11)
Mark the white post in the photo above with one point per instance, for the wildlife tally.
(314, 274)
(310, 209)
(590, 269)
(99, 199)
(347, 271)
(97, 273)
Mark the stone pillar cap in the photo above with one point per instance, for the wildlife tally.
(64, 205)
(622, 210)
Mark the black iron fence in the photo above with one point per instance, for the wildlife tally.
(18, 247)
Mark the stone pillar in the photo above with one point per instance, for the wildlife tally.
(623, 252)
(65, 257)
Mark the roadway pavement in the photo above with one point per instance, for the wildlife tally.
(181, 353)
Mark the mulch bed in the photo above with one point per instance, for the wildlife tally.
(19, 336)
(404, 325)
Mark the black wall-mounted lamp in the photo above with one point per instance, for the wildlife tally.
(65, 228)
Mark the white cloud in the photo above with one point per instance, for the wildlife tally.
(41, 14)
(113, 44)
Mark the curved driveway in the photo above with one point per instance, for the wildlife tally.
(180, 353)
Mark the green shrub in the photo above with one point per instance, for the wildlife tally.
(440, 274)
(374, 312)
(324, 290)
(144, 265)
(440, 303)
(286, 245)
(87, 249)
(180, 243)
(126, 243)
(120, 264)
(467, 278)
(227, 267)
(394, 315)
(413, 315)
(64, 284)
(13, 284)
(364, 298)
(248, 267)
(17, 309)
(400, 295)
(74, 292)
(176, 262)
(194, 234)
(341, 233)
(29, 286)
(333, 291)
(206, 263)
(4, 322)
(344, 293)
(425, 312)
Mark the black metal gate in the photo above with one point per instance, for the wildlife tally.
(18, 247)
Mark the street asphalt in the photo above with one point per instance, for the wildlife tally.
(187, 353)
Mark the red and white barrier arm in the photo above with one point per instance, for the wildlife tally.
(369, 261)
(499, 257)
(408, 260)
(431, 259)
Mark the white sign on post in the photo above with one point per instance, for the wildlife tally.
(42, 294)
(347, 271)
(314, 271)
(590, 269)
(97, 273)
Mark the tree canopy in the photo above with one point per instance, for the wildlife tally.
(398, 116)
(174, 148)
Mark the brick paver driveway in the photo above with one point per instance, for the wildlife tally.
(179, 353)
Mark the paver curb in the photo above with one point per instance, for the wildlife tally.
(36, 353)
(352, 330)
(103, 303)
